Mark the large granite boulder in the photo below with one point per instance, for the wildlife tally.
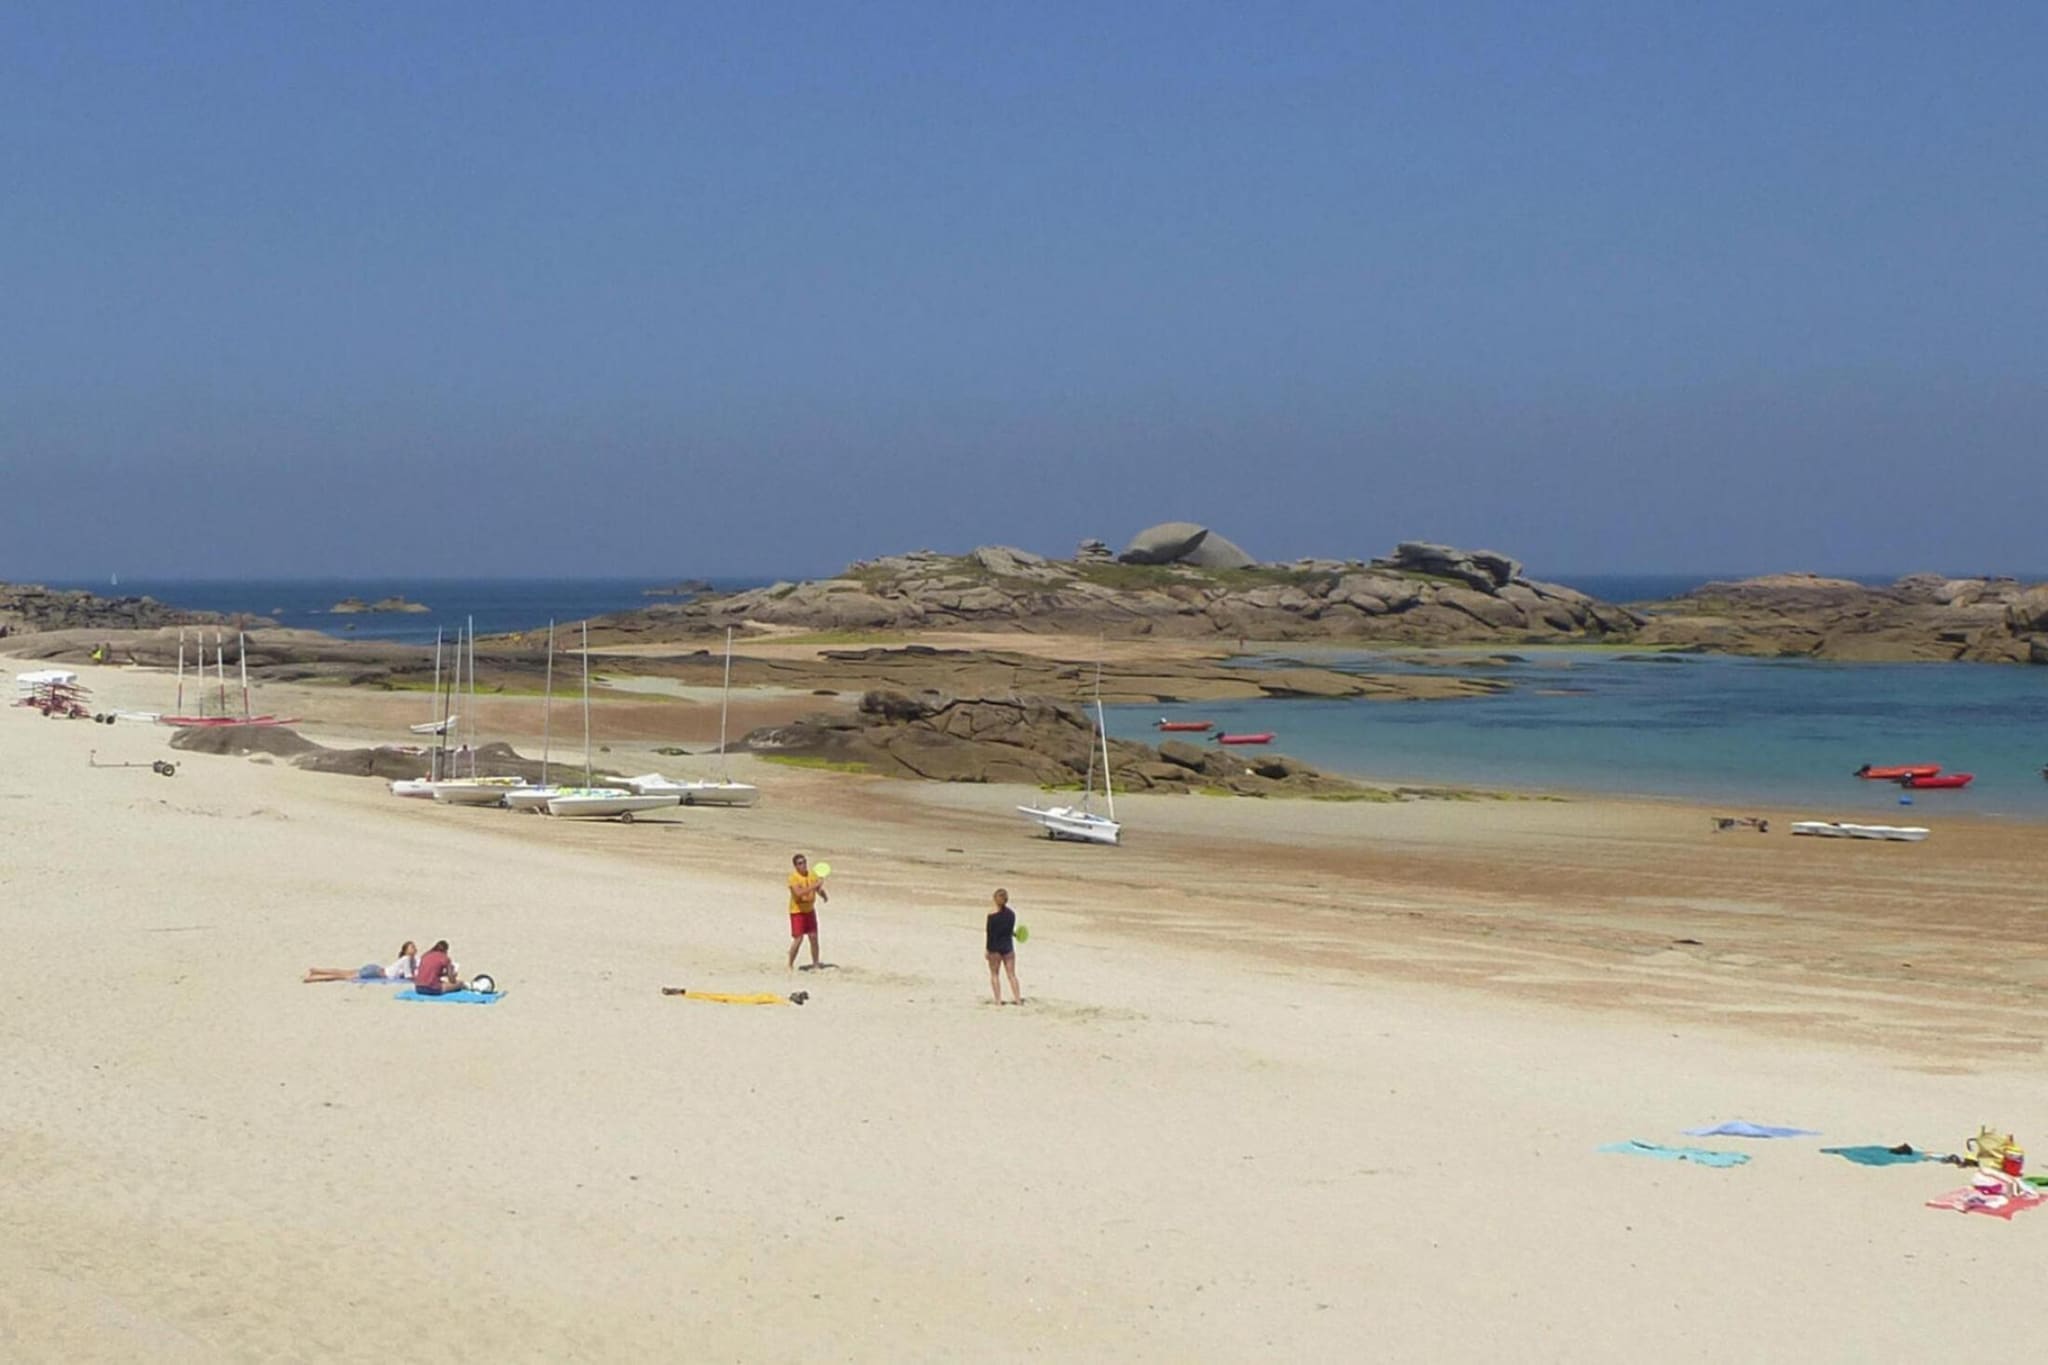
(1164, 543)
(1482, 569)
(1214, 552)
(2027, 612)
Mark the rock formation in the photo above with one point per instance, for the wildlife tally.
(1027, 739)
(349, 606)
(1461, 597)
(1921, 616)
(30, 607)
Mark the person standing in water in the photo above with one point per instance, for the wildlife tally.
(805, 891)
(1002, 948)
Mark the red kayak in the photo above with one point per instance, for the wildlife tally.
(1898, 772)
(1263, 737)
(1192, 727)
(1937, 782)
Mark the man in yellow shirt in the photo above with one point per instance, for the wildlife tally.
(805, 891)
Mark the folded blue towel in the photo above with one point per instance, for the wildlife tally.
(1879, 1156)
(1744, 1128)
(1698, 1155)
(452, 997)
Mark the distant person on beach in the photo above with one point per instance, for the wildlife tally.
(435, 974)
(805, 891)
(404, 969)
(1002, 948)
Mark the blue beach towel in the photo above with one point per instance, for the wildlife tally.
(451, 998)
(1698, 1155)
(1879, 1156)
(1744, 1128)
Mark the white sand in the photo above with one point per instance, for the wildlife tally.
(1178, 1150)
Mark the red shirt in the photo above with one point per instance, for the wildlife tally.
(432, 965)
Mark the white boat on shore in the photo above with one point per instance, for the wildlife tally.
(474, 791)
(1080, 823)
(421, 788)
(604, 803)
(534, 797)
(1836, 829)
(691, 792)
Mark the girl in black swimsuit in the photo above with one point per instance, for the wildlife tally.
(1002, 948)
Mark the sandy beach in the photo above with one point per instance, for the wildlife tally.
(1307, 1080)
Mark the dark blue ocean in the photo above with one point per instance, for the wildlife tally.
(498, 604)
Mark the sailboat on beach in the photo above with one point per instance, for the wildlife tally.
(222, 716)
(535, 797)
(593, 802)
(700, 792)
(471, 790)
(1081, 824)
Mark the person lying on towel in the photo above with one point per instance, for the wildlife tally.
(404, 969)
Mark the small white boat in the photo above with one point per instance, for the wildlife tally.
(693, 792)
(475, 791)
(420, 787)
(533, 798)
(1835, 829)
(435, 727)
(1080, 823)
(1072, 822)
(604, 803)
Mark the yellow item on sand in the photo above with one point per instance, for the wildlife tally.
(717, 998)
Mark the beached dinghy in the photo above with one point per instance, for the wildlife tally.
(693, 792)
(1081, 824)
(604, 803)
(475, 791)
(1835, 829)
(421, 788)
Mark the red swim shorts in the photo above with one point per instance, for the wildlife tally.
(804, 923)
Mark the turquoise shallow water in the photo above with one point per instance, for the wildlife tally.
(1725, 729)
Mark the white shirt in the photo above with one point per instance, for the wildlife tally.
(402, 970)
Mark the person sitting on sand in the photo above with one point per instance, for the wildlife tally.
(404, 969)
(1002, 948)
(805, 891)
(436, 973)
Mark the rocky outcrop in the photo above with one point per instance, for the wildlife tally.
(1026, 739)
(350, 606)
(28, 607)
(1214, 552)
(1921, 616)
(1462, 597)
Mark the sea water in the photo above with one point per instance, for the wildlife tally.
(1694, 726)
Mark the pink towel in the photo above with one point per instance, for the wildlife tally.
(1969, 1199)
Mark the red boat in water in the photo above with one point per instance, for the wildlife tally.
(1191, 727)
(1263, 737)
(1936, 782)
(1897, 772)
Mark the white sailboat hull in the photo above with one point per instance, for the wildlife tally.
(1832, 829)
(532, 798)
(418, 787)
(479, 793)
(1069, 822)
(694, 792)
(605, 804)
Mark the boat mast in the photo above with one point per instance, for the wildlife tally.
(1102, 728)
(242, 655)
(434, 704)
(220, 669)
(725, 703)
(179, 710)
(547, 712)
(587, 775)
(472, 697)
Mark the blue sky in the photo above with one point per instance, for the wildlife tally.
(760, 288)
